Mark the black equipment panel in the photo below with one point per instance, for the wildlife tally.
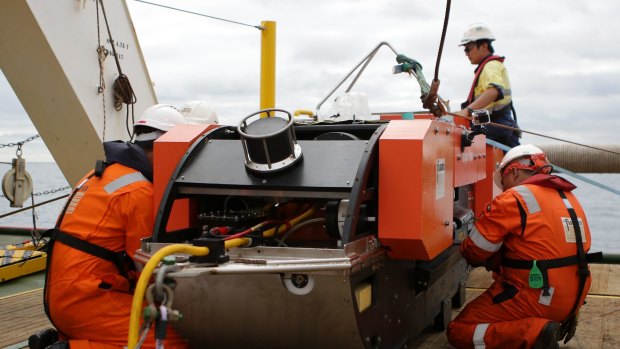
(326, 165)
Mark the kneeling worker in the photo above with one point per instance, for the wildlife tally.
(534, 236)
(89, 291)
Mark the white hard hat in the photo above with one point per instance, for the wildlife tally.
(520, 151)
(161, 117)
(475, 32)
(199, 113)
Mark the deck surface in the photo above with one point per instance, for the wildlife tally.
(599, 318)
(599, 325)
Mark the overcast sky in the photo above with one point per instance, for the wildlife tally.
(563, 58)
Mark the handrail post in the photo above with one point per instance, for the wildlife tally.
(268, 66)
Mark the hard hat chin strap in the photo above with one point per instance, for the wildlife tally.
(537, 163)
(150, 136)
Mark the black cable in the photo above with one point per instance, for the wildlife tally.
(443, 38)
(123, 92)
(540, 135)
(37, 205)
(554, 138)
(34, 219)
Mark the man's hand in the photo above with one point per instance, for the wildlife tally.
(463, 112)
(493, 263)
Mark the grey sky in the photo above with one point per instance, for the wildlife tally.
(562, 56)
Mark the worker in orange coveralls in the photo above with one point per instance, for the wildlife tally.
(534, 236)
(89, 288)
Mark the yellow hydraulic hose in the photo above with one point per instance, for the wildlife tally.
(138, 296)
(283, 227)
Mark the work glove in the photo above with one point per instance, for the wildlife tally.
(568, 328)
(493, 263)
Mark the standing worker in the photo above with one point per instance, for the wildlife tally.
(491, 86)
(89, 290)
(535, 237)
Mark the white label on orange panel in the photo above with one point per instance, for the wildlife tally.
(440, 178)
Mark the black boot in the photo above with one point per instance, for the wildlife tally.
(43, 339)
(549, 336)
(59, 345)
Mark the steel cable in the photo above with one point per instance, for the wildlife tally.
(540, 135)
(202, 15)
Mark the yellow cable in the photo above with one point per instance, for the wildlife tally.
(145, 276)
(283, 227)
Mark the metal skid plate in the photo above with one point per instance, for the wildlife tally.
(253, 300)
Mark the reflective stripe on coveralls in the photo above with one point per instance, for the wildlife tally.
(124, 181)
(483, 243)
(478, 339)
(529, 198)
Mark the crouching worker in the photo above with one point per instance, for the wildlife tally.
(534, 236)
(89, 292)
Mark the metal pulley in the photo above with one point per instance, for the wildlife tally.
(17, 183)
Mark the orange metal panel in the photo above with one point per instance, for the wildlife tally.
(485, 189)
(428, 116)
(416, 162)
(469, 164)
(390, 116)
(168, 151)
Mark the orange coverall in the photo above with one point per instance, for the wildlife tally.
(89, 300)
(545, 232)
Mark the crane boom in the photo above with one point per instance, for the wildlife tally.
(50, 58)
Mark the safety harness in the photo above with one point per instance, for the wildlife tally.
(540, 267)
(120, 259)
(478, 71)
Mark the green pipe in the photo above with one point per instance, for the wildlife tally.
(610, 258)
(19, 231)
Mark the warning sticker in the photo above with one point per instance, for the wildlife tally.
(569, 229)
(440, 176)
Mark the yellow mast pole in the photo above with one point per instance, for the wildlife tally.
(268, 66)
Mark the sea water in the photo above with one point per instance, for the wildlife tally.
(601, 206)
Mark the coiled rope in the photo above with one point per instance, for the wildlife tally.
(122, 90)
